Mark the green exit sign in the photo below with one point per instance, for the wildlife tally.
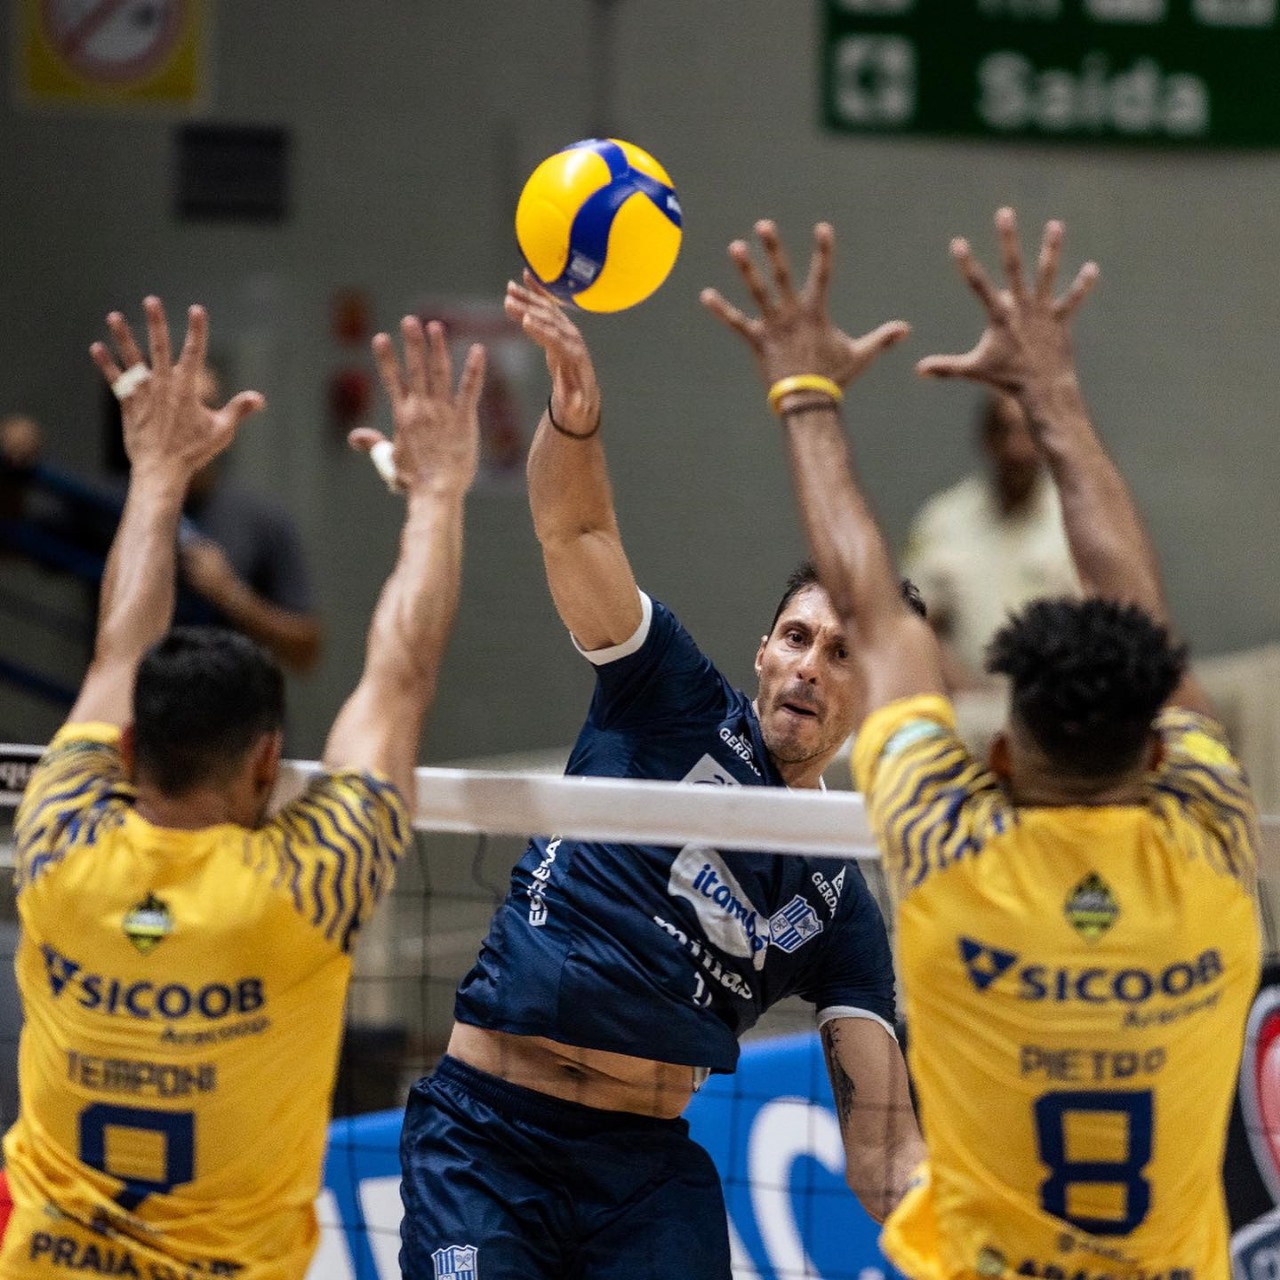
(1197, 73)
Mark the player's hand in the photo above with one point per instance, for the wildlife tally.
(575, 393)
(208, 571)
(165, 424)
(1026, 346)
(437, 427)
(793, 334)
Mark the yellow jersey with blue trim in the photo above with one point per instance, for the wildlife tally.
(182, 993)
(1077, 983)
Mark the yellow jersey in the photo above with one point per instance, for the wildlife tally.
(1077, 982)
(183, 995)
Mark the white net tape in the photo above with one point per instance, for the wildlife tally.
(476, 802)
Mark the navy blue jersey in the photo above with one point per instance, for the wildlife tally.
(669, 953)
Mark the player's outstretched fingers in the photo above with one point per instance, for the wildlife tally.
(439, 365)
(1010, 251)
(471, 380)
(538, 289)
(362, 439)
(122, 335)
(946, 366)
(740, 253)
(771, 243)
(821, 264)
(417, 372)
(384, 356)
(881, 339)
(1047, 267)
(976, 277)
(157, 334)
(1080, 289)
(241, 406)
(727, 313)
(102, 357)
(196, 344)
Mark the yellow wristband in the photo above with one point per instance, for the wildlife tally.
(803, 382)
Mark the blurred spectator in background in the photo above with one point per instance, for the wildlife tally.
(19, 452)
(242, 564)
(241, 555)
(990, 544)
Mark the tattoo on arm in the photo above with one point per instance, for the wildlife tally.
(841, 1085)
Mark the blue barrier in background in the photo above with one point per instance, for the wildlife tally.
(771, 1129)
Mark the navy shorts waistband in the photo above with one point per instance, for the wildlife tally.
(558, 1115)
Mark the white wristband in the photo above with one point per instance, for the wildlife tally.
(381, 457)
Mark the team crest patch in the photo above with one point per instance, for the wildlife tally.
(456, 1262)
(148, 924)
(794, 925)
(1091, 908)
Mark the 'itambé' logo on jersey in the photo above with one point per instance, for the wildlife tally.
(1090, 984)
(169, 1001)
(148, 924)
(730, 920)
(1091, 908)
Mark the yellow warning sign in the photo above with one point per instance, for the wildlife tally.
(112, 53)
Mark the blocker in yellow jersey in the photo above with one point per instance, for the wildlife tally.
(183, 993)
(1077, 981)
(184, 956)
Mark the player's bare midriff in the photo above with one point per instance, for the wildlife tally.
(592, 1077)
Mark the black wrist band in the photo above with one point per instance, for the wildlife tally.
(573, 435)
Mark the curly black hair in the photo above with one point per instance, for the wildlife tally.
(1088, 678)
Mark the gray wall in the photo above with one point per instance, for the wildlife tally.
(413, 125)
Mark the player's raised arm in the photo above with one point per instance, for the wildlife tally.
(169, 434)
(1026, 351)
(588, 572)
(806, 363)
(434, 456)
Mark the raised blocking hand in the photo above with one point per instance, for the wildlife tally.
(165, 423)
(1027, 342)
(437, 429)
(793, 334)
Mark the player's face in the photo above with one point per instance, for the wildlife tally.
(809, 683)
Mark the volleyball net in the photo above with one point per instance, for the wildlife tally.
(771, 1128)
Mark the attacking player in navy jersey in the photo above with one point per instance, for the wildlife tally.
(614, 977)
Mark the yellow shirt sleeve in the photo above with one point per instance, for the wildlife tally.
(929, 803)
(77, 784)
(1200, 781)
(335, 849)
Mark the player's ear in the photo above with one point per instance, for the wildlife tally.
(128, 753)
(266, 760)
(998, 760)
(1155, 752)
(764, 640)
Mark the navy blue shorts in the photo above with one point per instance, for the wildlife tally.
(503, 1183)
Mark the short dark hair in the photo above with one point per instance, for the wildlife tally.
(805, 575)
(201, 698)
(1088, 678)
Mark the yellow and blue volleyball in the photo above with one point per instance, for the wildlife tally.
(599, 224)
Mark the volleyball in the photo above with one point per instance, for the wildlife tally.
(599, 224)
